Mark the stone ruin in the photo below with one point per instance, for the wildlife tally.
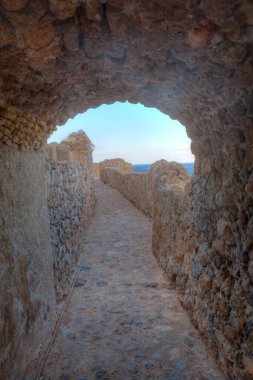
(190, 59)
(71, 202)
(118, 163)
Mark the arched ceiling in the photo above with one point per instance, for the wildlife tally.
(187, 58)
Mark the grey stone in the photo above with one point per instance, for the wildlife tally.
(131, 347)
(102, 374)
(133, 368)
(149, 284)
(135, 309)
(101, 283)
(71, 336)
(219, 261)
(196, 270)
(64, 377)
(96, 337)
(80, 282)
(127, 322)
(181, 365)
(85, 268)
(189, 342)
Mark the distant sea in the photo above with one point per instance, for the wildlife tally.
(145, 168)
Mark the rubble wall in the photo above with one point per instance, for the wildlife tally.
(202, 237)
(71, 202)
(132, 185)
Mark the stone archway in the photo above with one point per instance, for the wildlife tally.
(190, 59)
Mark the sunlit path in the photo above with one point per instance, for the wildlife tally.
(125, 322)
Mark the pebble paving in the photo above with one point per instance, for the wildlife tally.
(123, 320)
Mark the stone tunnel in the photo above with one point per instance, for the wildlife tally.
(191, 60)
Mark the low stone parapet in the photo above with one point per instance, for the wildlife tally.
(171, 202)
(71, 203)
(132, 185)
(96, 172)
(163, 194)
(117, 163)
(139, 188)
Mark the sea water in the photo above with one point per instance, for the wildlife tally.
(143, 168)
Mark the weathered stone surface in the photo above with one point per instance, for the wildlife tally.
(193, 61)
(126, 321)
(96, 172)
(163, 174)
(38, 36)
(7, 35)
(94, 10)
(139, 187)
(118, 163)
(14, 5)
(147, 52)
(132, 185)
(22, 130)
(170, 206)
(159, 193)
(194, 248)
(26, 287)
(65, 8)
(71, 202)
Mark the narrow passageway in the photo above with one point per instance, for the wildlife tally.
(125, 322)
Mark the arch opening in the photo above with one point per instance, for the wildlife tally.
(137, 134)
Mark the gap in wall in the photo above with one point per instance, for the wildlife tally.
(138, 134)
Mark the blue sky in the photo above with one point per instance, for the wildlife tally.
(138, 134)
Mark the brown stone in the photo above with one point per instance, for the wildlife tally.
(38, 36)
(71, 38)
(215, 10)
(200, 35)
(246, 9)
(219, 246)
(65, 8)
(249, 189)
(45, 54)
(190, 246)
(250, 269)
(14, 5)
(191, 60)
(96, 171)
(7, 36)
(248, 363)
(93, 10)
(118, 163)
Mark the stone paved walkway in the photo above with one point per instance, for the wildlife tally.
(125, 322)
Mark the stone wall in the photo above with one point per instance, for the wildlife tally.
(20, 130)
(71, 202)
(193, 61)
(132, 185)
(171, 224)
(138, 187)
(96, 173)
(199, 252)
(118, 163)
(215, 283)
(202, 237)
(41, 228)
(26, 266)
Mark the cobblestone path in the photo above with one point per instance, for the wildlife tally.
(125, 322)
